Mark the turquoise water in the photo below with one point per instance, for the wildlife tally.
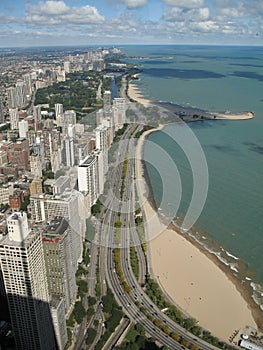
(216, 79)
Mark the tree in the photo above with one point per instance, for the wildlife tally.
(91, 336)
(189, 323)
(140, 329)
(91, 301)
(158, 323)
(166, 329)
(185, 342)
(79, 312)
(175, 336)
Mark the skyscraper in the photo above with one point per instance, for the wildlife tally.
(24, 273)
(88, 178)
(61, 269)
(102, 145)
(107, 101)
(14, 118)
(68, 205)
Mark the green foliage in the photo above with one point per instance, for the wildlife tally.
(95, 209)
(91, 335)
(114, 320)
(79, 312)
(81, 271)
(78, 92)
(134, 261)
(25, 204)
(98, 289)
(91, 300)
(90, 312)
(83, 287)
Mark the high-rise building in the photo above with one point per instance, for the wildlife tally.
(19, 155)
(25, 280)
(28, 81)
(119, 110)
(68, 156)
(21, 94)
(37, 117)
(68, 205)
(88, 178)
(11, 97)
(58, 111)
(14, 118)
(67, 67)
(35, 165)
(102, 145)
(107, 101)
(36, 187)
(23, 128)
(58, 244)
(61, 184)
(2, 113)
(59, 320)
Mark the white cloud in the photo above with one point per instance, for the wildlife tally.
(133, 4)
(193, 15)
(57, 12)
(7, 19)
(187, 4)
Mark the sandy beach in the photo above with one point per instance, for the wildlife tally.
(233, 116)
(135, 94)
(195, 281)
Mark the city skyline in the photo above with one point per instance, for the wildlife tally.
(112, 22)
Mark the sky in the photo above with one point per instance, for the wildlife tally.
(118, 22)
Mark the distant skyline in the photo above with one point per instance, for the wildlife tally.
(118, 22)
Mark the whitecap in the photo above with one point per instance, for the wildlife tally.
(231, 255)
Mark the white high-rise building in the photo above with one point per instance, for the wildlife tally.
(23, 128)
(67, 67)
(102, 145)
(25, 280)
(100, 166)
(14, 118)
(58, 111)
(88, 178)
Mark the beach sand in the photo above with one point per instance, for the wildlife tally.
(192, 278)
(233, 116)
(135, 94)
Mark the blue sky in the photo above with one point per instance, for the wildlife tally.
(85, 22)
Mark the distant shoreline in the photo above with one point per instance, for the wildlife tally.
(186, 113)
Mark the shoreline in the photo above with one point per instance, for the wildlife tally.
(135, 94)
(187, 114)
(231, 291)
